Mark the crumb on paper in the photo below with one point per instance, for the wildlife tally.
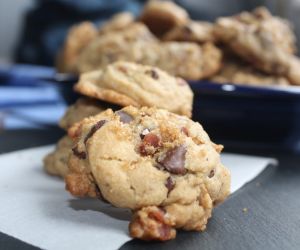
(245, 210)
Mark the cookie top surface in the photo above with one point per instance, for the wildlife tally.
(112, 46)
(143, 157)
(260, 43)
(125, 83)
(193, 31)
(261, 20)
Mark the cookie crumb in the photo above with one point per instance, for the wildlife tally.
(245, 210)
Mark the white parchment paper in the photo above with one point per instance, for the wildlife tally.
(36, 209)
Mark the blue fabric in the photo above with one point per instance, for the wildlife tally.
(26, 101)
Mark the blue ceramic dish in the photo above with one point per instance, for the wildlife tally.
(257, 117)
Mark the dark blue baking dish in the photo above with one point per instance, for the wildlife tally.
(260, 117)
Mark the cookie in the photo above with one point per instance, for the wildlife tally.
(112, 47)
(55, 163)
(160, 165)
(125, 83)
(162, 16)
(82, 108)
(119, 21)
(193, 31)
(199, 61)
(78, 37)
(280, 29)
(258, 43)
(236, 71)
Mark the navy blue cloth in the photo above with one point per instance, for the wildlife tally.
(26, 101)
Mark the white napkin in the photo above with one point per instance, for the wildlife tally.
(36, 209)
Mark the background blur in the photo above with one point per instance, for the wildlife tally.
(32, 30)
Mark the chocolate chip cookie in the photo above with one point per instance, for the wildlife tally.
(160, 165)
(111, 47)
(266, 44)
(239, 72)
(199, 61)
(125, 83)
(162, 16)
(77, 39)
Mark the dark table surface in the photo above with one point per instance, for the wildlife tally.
(272, 220)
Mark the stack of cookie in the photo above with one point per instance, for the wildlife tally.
(148, 157)
(157, 38)
(253, 48)
(129, 140)
(118, 85)
(261, 49)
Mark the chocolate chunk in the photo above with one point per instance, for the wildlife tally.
(174, 160)
(80, 155)
(185, 131)
(124, 117)
(153, 74)
(211, 173)
(149, 144)
(97, 126)
(170, 184)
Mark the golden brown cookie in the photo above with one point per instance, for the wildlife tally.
(193, 31)
(78, 37)
(55, 163)
(199, 61)
(236, 71)
(261, 45)
(160, 165)
(162, 16)
(125, 83)
(112, 47)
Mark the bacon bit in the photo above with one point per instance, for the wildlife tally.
(149, 144)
